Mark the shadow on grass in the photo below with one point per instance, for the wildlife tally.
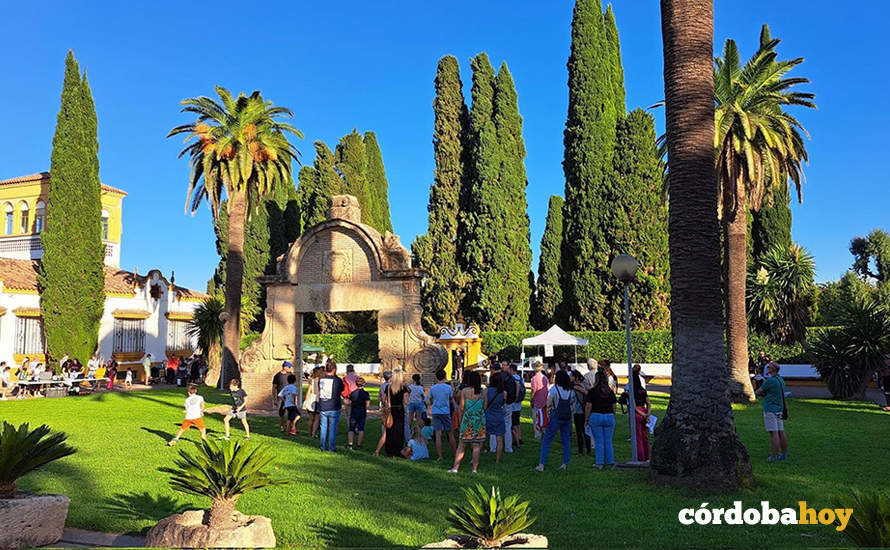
(142, 506)
(347, 536)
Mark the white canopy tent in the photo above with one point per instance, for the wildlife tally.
(554, 336)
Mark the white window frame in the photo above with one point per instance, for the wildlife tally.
(40, 217)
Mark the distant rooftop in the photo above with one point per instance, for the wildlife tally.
(41, 176)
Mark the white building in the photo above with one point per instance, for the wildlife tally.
(143, 313)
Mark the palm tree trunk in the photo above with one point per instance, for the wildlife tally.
(696, 444)
(234, 278)
(735, 219)
(220, 514)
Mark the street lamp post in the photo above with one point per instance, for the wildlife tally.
(625, 267)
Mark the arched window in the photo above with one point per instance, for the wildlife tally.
(40, 217)
(105, 217)
(7, 227)
(24, 218)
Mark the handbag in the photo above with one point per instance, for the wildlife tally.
(386, 417)
(784, 406)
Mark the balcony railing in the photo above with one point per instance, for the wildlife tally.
(31, 243)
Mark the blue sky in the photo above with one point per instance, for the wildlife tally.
(370, 65)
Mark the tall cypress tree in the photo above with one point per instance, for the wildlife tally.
(616, 72)
(589, 145)
(640, 224)
(437, 252)
(771, 225)
(318, 184)
(548, 295)
(515, 246)
(349, 160)
(497, 253)
(72, 270)
(378, 187)
(478, 222)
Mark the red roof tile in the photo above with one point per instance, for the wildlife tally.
(22, 275)
(45, 176)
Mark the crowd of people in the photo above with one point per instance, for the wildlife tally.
(479, 410)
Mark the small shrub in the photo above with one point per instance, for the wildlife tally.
(23, 450)
(847, 357)
(870, 525)
(488, 518)
(223, 472)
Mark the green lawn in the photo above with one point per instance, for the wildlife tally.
(355, 499)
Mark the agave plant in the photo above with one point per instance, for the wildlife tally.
(23, 450)
(848, 357)
(223, 472)
(869, 527)
(489, 518)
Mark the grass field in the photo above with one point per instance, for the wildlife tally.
(354, 499)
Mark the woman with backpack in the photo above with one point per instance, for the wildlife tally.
(560, 404)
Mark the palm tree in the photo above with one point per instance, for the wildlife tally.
(222, 472)
(696, 443)
(781, 294)
(207, 328)
(237, 145)
(23, 450)
(759, 147)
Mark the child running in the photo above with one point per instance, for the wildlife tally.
(416, 401)
(194, 415)
(128, 380)
(358, 413)
(239, 408)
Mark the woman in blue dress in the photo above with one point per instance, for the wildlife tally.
(494, 411)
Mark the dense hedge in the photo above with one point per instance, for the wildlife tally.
(650, 346)
(355, 348)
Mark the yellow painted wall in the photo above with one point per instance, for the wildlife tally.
(32, 191)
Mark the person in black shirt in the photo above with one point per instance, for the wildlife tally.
(239, 408)
(358, 413)
(599, 407)
(330, 388)
(278, 384)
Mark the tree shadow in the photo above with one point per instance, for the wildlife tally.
(337, 535)
(143, 506)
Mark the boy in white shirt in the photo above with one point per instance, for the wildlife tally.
(194, 415)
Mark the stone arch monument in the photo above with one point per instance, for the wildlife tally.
(341, 265)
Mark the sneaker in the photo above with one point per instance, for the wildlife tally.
(172, 442)
(452, 471)
(246, 438)
(539, 468)
(783, 456)
(772, 458)
(598, 466)
(563, 466)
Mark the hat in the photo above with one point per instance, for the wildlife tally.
(287, 364)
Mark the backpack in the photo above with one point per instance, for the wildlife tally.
(563, 410)
(520, 393)
(509, 388)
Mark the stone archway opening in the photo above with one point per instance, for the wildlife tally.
(341, 265)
